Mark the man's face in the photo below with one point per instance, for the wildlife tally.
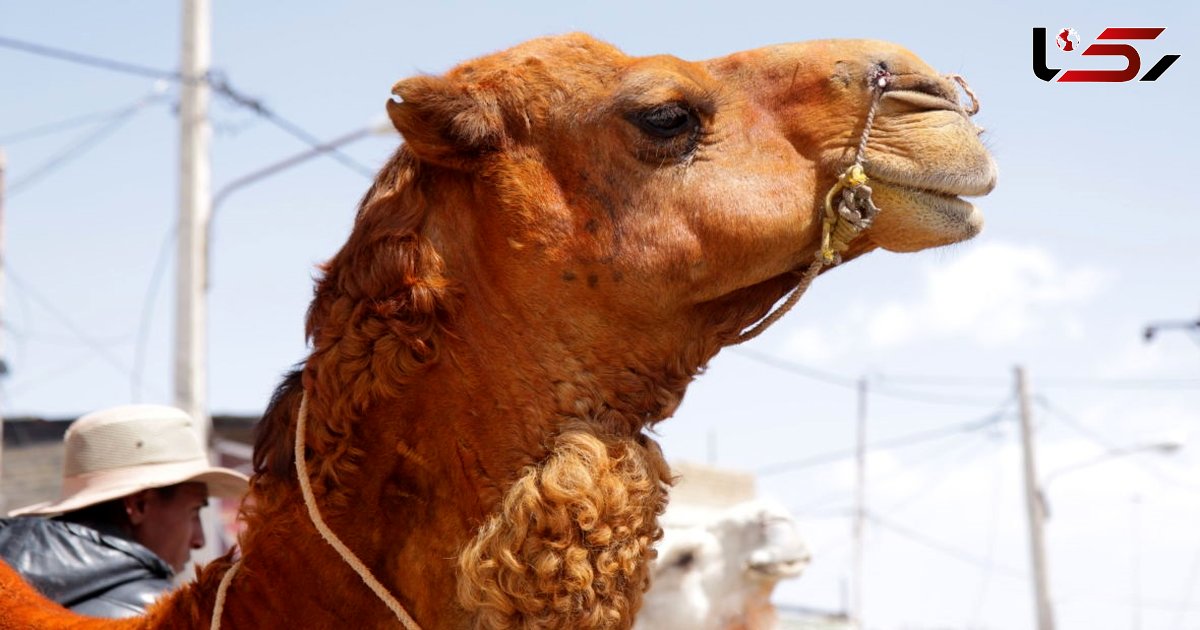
(168, 523)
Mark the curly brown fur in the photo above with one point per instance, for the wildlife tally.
(571, 544)
(374, 322)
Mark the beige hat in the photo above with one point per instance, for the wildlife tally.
(116, 452)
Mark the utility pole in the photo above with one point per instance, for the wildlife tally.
(1035, 509)
(860, 506)
(195, 209)
(195, 133)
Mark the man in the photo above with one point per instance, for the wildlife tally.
(134, 481)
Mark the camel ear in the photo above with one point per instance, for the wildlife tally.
(445, 122)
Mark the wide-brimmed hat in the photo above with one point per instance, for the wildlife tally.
(116, 452)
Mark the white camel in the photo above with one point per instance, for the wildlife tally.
(717, 573)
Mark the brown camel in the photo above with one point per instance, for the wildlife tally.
(566, 237)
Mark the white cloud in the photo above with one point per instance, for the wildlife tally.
(993, 295)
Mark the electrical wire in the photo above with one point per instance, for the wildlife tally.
(1073, 382)
(796, 368)
(947, 550)
(51, 128)
(81, 146)
(28, 384)
(898, 442)
(146, 320)
(90, 342)
(933, 380)
(221, 86)
(985, 581)
(216, 81)
(966, 447)
(60, 340)
(966, 451)
(852, 383)
(1081, 428)
(87, 60)
(1119, 383)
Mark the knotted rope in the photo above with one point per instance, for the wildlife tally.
(327, 534)
(839, 226)
(855, 211)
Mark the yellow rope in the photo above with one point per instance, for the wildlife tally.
(836, 231)
(836, 235)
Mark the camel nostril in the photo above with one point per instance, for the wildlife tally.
(927, 85)
(924, 91)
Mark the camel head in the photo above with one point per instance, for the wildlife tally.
(718, 573)
(565, 238)
(605, 198)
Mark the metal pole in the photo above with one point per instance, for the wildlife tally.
(194, 205)
(860, 508)
(1035, 509)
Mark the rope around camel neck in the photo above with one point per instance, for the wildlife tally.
(327, 534)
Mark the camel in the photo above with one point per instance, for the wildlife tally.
(718, 572)
(566, 237)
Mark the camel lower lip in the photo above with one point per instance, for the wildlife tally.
(948, 204)
(942, 183)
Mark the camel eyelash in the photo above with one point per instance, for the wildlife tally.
(672, 132)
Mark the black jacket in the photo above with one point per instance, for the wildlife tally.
(92, 573)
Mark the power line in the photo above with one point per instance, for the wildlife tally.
(216, 81)
(80, 147)
(933, 399)
(144, 323)
(852, 383)
(1119, 383)
(966, 447)
(968, 450)
(59, 340)
(948, 550)
(993, 530)
(88, 60)
(934, 380)
(1069, 382)
(904, 440)
(30, 383)
(98, 348)
(1081, 428)
(221, 86)
(51, 128)
(796, 368)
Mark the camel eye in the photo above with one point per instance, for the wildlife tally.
(684, 560)
(666, 121)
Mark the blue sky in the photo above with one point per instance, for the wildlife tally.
(1090, 234)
